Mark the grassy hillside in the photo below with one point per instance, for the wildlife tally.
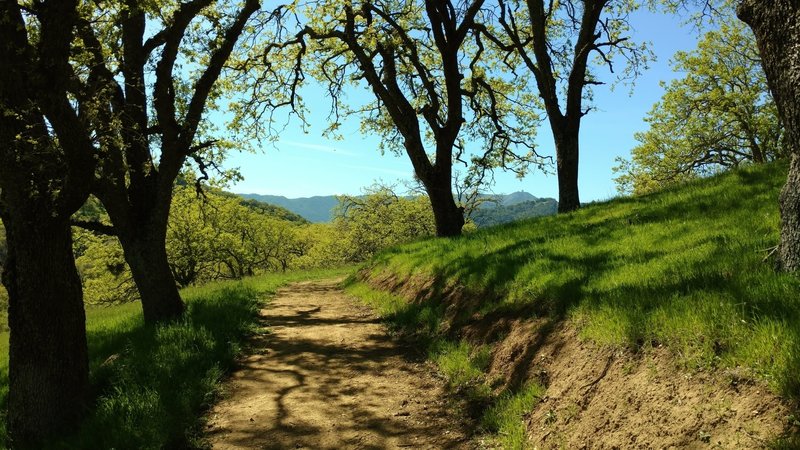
(682, 268)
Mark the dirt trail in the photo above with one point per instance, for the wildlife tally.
(327, 376)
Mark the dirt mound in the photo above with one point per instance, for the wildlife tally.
(604, 398)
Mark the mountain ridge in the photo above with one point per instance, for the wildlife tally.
(498, 208)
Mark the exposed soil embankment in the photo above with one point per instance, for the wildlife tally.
(602, 397)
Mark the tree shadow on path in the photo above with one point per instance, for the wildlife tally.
(326, 375)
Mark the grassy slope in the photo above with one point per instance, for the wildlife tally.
(683, 268)
(152, 394)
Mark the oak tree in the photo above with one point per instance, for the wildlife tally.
(776, 25)
(47, 161)
(718, 115)
(559, 42)
(160, 62)
(437, 95)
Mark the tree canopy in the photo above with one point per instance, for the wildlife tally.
(430, 73)
(159, 65)
(718, 115)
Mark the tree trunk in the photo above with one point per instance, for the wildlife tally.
(449, 218)
(146, 255)
(789, 247)
(776, 25)
(567, 162)
(758, 155)
(48, 357)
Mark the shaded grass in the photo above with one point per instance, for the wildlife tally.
(683, 268)
(151, 383)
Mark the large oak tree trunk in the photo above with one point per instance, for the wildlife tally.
(567, 163)
(449, 218)
(146, 255)
(48, 357)
(776, 25)
(789, 247)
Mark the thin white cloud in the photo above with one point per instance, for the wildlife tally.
(399, 173)
(317, 147)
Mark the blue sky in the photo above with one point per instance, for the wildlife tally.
(306, 164)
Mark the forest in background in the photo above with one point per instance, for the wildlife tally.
(216, 235)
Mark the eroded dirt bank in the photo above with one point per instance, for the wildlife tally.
(327, 376)
(602, 398)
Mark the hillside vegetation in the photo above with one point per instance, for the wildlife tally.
(687, 269)
(505, 213)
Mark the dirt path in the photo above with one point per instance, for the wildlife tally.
(327, 376)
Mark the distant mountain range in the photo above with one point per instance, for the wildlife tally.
(499, 209)
(514, 198)
(314, 209)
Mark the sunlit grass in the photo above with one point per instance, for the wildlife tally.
(462, 364)
(683, 268)
(151, 383)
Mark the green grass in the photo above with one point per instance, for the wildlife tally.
(153, 393)
(683, 268)
(686, 268)
(462, 364)
(506, 418)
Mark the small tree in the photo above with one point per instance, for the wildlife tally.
(380, 219)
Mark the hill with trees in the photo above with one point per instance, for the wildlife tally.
(512, 209)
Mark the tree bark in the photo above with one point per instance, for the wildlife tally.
(567, 163)
(776, 25)
(44, 179)
(789, 247)
(48, 357)
(448, 217)
(146, 255)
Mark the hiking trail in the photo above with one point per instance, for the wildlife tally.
(325, 374)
